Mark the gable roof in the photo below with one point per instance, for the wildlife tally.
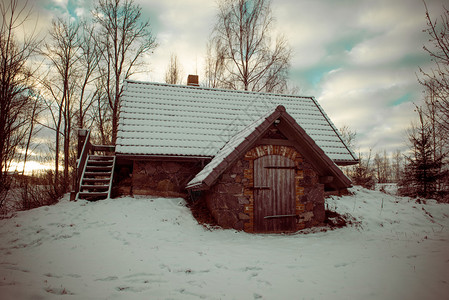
(245, 139)
(173, 120)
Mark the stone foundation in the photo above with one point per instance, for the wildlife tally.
(163, 178)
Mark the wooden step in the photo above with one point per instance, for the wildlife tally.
(94, 162)
(93, 174)
(92, 195)
(98, 168)
(94, 187)
(96, 180)
(101, 157)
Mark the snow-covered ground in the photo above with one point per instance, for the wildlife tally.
(141, 248)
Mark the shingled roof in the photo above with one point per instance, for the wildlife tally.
(173, 120)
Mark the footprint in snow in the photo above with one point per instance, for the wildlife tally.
(190, 271)
(220, 266)
(341, 265)
(252, 268)
(52, 275)
(136, 289)
(139, 275)
(143, 278)
(264, 282)
(109, 278)
(14, 268)
(58, 291)
(186, 292)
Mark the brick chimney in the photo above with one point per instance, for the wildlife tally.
(192, 80)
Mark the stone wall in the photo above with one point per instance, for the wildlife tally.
(312, 199)
(231, 199)
(225, 199)
(163, 178)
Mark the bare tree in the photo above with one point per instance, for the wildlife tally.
(252, 60)
(440, 140)
(214, 68)
(31, 132)
(123, 39)
(102, 115)
(382, 167)
(348, 135)
(61, 86)
(397, 165)
(363, 173)
(16, 87)
(173, 75)
(89, 58)
(436, 80)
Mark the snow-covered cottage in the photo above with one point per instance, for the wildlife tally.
(262, 162)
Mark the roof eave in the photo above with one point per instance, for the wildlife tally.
(345, 162)
(335, 170)
(159, 156)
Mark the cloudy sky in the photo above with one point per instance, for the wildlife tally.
(359, 58)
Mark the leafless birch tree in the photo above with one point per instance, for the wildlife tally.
(173, 75)
(253, 60)
(397, 165)
(214, 68)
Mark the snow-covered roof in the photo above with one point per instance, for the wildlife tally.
(227, 149)
(176, 120)
(246, 138)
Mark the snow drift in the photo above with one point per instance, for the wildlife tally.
(143, 248)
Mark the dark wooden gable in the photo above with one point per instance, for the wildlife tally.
(274, 133)
(277, 128)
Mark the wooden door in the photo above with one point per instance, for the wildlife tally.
(274, 194)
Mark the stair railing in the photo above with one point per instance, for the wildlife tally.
(82, 160)
(112, 176)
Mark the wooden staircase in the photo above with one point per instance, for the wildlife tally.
(96, 180)
(94, 172)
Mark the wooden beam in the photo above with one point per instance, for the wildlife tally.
(141, 157)
(107, 148)
(326, 179)
(274, 142)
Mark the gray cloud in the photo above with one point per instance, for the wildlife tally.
(360, 59)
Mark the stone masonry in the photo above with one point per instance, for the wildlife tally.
(231, 199)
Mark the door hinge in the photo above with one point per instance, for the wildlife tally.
(261, 188)
(280, 167)
(279, 216)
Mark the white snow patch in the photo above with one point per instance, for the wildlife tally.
(142, 248)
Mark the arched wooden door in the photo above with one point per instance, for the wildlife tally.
(274, 194)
